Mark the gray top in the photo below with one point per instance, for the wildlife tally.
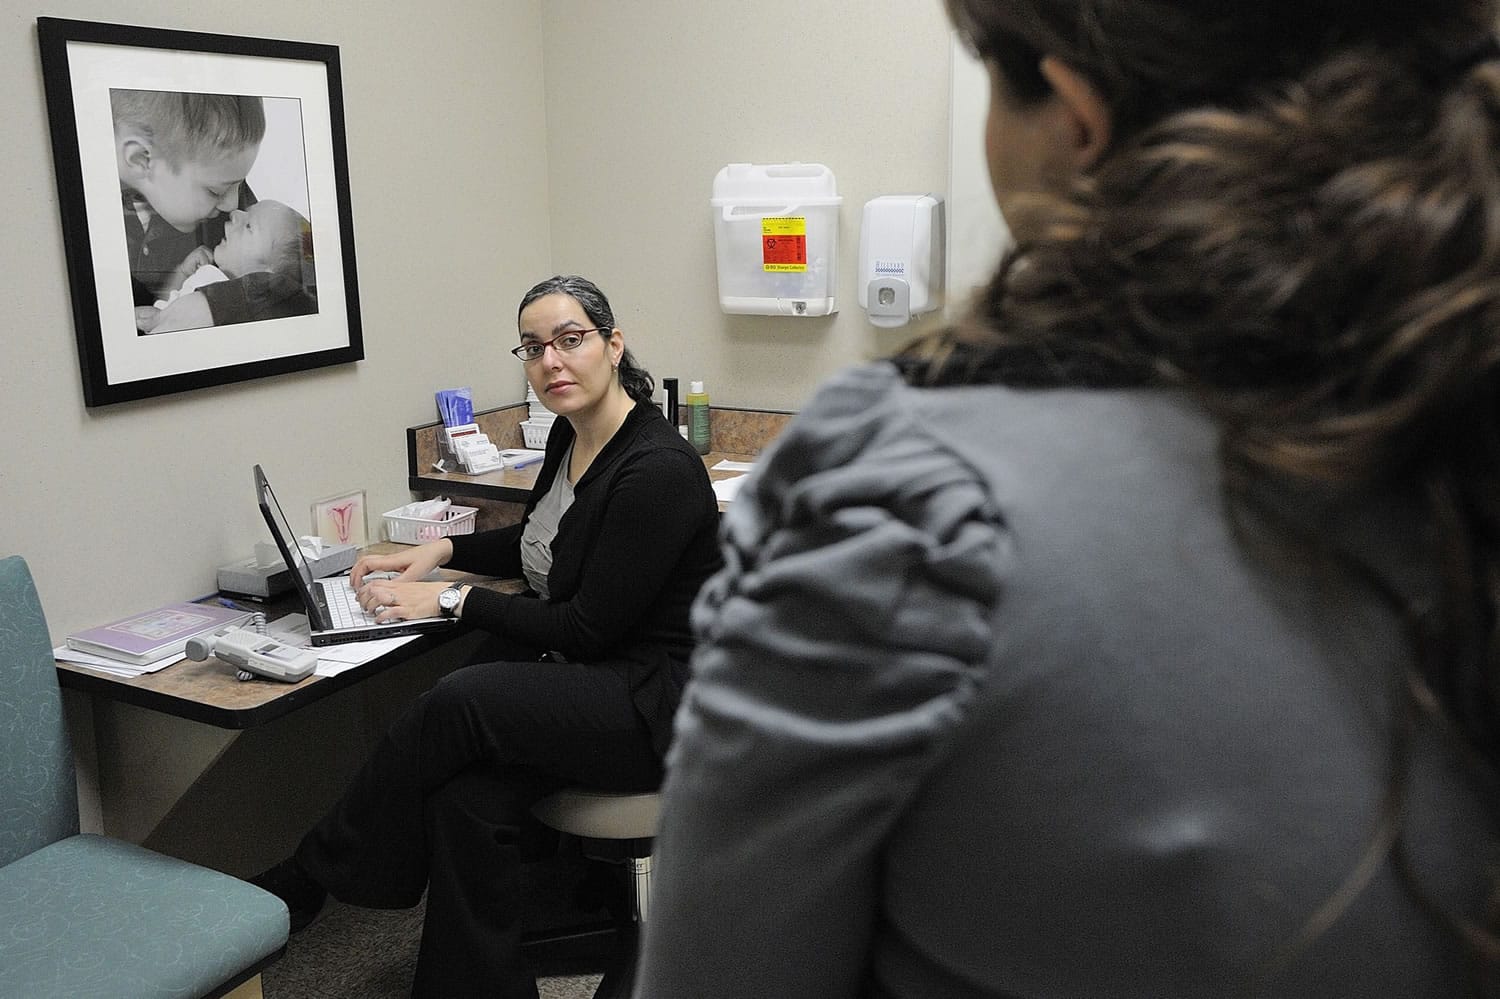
(992, 700)
(541, 528)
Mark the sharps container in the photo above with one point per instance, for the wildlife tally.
(776, 234)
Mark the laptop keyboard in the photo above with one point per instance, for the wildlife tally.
(343, 606)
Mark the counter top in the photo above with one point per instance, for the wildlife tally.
(513, 486)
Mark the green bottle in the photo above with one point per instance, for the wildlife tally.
(697, 418)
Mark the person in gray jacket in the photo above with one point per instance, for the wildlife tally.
(1137, 636)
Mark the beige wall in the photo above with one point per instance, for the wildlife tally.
(133, 504)
(646, 100)
(491, 142)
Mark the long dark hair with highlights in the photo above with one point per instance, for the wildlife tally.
(1298, 221)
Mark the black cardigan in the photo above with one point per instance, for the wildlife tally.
(630, 555)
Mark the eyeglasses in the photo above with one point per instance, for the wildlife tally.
(571, 340)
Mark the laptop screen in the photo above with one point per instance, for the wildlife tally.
(286, 539)
(314, 596)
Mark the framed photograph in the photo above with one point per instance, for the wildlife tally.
(203, 184)
(340, 520)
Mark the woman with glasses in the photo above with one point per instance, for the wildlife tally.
(1139, 636)
(577, 684)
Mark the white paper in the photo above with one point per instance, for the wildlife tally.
(290, 630)
(69, 655)
(332, 659)
(725, 465)
(727, 489)
(335, 659)
(520, 457)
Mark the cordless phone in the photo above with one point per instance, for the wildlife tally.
(254, 654)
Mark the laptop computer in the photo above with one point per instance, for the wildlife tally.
(320, 618)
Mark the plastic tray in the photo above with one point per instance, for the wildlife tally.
(535, 434)
(416, 531)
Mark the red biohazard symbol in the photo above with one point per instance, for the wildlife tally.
(784, 249)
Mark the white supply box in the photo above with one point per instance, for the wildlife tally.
(776, 233)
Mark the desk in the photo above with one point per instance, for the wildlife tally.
(739, 434)
(208, 692)
(512, 486)
(170, 760)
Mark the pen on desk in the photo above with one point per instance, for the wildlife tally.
(239, 605)
(528, 461)
(222, 601)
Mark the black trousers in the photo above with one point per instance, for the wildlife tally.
(442, 804)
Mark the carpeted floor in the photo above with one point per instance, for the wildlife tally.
(354, 953)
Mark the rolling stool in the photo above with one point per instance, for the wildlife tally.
(627, 822)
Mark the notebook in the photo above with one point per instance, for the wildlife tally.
(320, 595)
(155, 634)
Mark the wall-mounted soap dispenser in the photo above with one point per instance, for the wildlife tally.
(901, 250)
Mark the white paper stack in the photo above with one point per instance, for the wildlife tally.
(114, 666)
(537, 413)
(538, 422)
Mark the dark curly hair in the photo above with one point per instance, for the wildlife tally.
(1297, 220)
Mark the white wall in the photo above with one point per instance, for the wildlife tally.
(491, 143)
(647, 100)
(134, 504)
(977, 233)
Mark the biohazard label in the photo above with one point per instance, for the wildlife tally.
(783, 243)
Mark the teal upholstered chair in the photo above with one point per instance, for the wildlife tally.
(84, 915)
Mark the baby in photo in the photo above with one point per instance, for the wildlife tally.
(266, 237)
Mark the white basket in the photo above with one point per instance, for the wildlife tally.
(416, 531)
(535, 434)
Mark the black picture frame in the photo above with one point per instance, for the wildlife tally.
(300, 87)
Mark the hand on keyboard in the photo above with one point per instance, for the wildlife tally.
(398, 600)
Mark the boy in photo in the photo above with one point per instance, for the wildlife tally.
(182, 162)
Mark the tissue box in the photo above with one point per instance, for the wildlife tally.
(264, 575)
(249, 578)
(333, 560)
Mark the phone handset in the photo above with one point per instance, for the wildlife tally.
(255, 654)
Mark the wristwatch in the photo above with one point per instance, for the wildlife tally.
(449, 600)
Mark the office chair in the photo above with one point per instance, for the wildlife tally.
(90, 916)
(612, 826)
